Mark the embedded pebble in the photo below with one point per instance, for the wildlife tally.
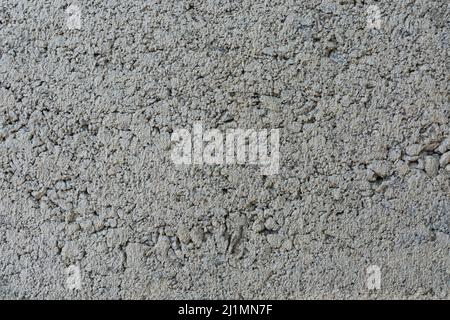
(414, 150)
(445, 159)
(431, 166)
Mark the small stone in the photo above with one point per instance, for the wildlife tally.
(271, 224)
(168, 231)
(444, 146)
(162, 246)
(287, 245)
(71, 251)
(371, 176)
(345, 101)
(258, 226)
(402, 168)
(413, 150)
(411, 159)
(112, 223)
(420, 164)
(116, 237)
(60, 185)
(445, 159)
(197, 236)
(72, 228)
(271, 103)
(394, 154)
(70, 216)
(431, 166)
(336, 194)
(274, 240)
(98, 224)
(381, 168)
(430, 145)
(179, 254)
(447, 168)
(183, 234)
(269, 51)
(135, 255)
(38, 194)
(87, 226)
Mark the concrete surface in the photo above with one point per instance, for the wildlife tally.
(91, 205)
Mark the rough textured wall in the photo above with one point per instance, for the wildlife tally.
(88, 187)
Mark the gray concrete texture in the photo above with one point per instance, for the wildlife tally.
(87, 182)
